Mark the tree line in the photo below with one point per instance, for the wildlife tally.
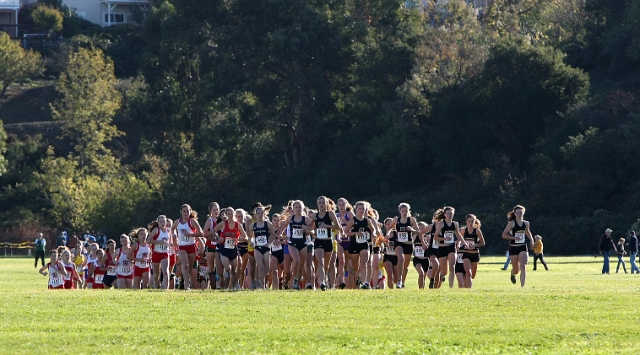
(530, 102)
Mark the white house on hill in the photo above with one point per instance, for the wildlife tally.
(106, 12)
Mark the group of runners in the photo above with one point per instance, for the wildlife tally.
(336, 245)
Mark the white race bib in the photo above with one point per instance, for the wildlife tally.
(403, 237)
(297, 233)
(470, 244)
(448, 237)
(98, 278)
(162, 248)
(418, 251)
(203, 271)
(229, 243)
(435, 246)
(111, 271)
(322, 233)
(459, 260)
(276, 247)
(390, 251)
(362, 238)
(183, 237)
(261, 240)
(520, 237)
(125, 270)
(55, 280)
(308, 239)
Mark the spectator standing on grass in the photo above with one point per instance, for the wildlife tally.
(633, 251)
(506, 263)
(606, 244)
(621, 253)
(41, 245)
(60, 241)
(538, 249)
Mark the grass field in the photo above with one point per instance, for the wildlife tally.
(571, 309)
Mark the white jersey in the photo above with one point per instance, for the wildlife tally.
(183, 239)
(142, 252)
(124, 265)
(161, 248)
(56, 279)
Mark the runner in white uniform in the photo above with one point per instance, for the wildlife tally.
(124, 268)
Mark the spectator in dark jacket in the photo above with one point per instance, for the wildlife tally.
(61, 241)
(633, 251)
(606, 244)
(621, 253)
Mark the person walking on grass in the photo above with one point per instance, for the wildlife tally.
(621, 253)
(538, 249)
(41, 244)
(633, 251)
(606, 244)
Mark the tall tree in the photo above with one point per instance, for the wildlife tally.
(16, 64)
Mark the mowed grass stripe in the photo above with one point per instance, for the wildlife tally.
(570, 309)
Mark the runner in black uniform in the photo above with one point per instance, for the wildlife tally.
(359, 230)
(324, 223)
(471, 254)
(404, 225)
(298, 226)
(390, 259)
(517, 232)
(420, 257)
(262, 234)
(447, 231)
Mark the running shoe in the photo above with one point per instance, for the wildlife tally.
(399, 284)
(323, 287)
(432, 283)
(513, 279)
(443, 278)
(343, 285)
(309, 287)
(363, 286)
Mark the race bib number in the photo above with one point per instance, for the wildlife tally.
(203, 271)
(390, 251)
(125, 270)
(98, 278)
(261, 240)
(448, 237)
(322, 233)
(55, 280)
(111, 271)
(229, 243)
(418, 251)
(403, 237)
(183, 236)
(435, 246)
(162, 248)
(297, 233)
(470, 244)
(145, 260)
(362, 238)
(308, 239)
(459, 259)
(520, 237)
(276, 247)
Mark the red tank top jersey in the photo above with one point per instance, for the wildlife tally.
(209, 243)
(230, 235)
(98, 274)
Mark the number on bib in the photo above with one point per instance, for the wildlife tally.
(98, 278)
(162, 248)
(470, 244)
(520, 237)
(229, 243)
(403, 237)
(459, 259)
(361, 238)
(55, 280)
(435, 246)
(418, 251)
(448, 237)
(390, 251)
(276, 247)
(322, 233)
(261, 240)
(126, 270)
(111, 271)
(183, 237)
(297, 233)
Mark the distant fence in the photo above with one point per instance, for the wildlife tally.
(17, 249)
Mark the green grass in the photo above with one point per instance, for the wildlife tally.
(572, 309)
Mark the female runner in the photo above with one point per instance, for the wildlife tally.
(517, 232)
(187, 230)
(140, 254)
(262, 233)
(277, 255)
(359, 230)
(79, 260)
(173, 250)
(160, 242)
(432, 252)
(390, 259)
(297, 226)
(230, 233)
(211, 244)
(420, 259)
(243, 246)
(446, 232)
(373, 264)
(125, 268)
(471, 254)
(345, 213)
(56, 270)
(91, 259)
(98, 269)
(404, 225)
(324, 222)
(72, 275)
(111, 276)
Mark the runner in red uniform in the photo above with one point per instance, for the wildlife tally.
(71, 270)
(230, 232)
(140, 254)
(98, 269)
